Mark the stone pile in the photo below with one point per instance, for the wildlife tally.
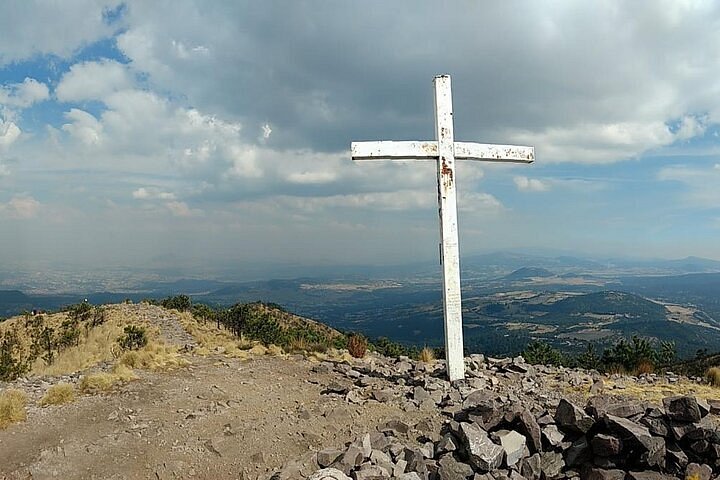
(500, 425)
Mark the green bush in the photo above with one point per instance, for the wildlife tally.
(134, 338)
(538, 352)
(181, 303)
(12, 364)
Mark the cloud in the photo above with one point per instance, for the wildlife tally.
(143, 193)
(525, 184)
(701, 183)
(84, 127)
(23, 95)
(36, 27)
(9, 133)
(93, 81)
(180, 209)
(20, 207)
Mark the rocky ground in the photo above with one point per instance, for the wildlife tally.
(290, 417)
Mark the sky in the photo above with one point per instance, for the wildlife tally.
(137, 133)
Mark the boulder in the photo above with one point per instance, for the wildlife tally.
(698, 472)
(605, 445)
(551, 464)
(483, 454)
(328, 456)
(449, 468)
(571, 418)
(513, 444)
(682, 408)
(528, 426)
(530, 467)
(329, 474)
(602, 474)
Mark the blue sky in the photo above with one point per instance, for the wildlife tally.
(220, 130)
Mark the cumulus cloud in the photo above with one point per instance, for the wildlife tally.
(23, 95)
(83, 126)
(36, 27)
(93, 81)
(9, 133)
(20, 207)
(525, 184)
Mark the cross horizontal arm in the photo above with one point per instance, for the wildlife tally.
(418, 150)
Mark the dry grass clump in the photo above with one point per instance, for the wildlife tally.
(644, 367)
(357, 346)
(97, 382)
(154, 356)
(427, 355)
(58, 395)
(99, 346)
(123, 373)
(12, 407)
(213, 340)
(713, 376)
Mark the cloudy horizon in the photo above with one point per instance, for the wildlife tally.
(203, 131)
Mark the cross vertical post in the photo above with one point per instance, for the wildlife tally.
(447, 211)
(444, 150)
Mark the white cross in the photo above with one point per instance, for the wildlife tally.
(445, 150)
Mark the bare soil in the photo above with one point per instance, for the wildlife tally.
(218, 418)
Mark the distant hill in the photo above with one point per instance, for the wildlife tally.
(526, 273)
(13, 302)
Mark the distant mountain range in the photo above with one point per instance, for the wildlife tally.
(509, 299)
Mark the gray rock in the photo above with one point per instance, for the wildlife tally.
(569, 417)
(649, 475)
(553, 436)
(657, 426)
(447, 444)
(449, 468)
(601, 474)
(483, 454)
(353, 457)
(409, 476)
(383, 396)
(629, 431)
(597, 387)
(578, 453)
(328, 456)
(551, 464)
(371, 472)
(698, 472)
(676, 459)
(395, 427)
(605, 445)
(514, 446)
(528, 426)
(682, 408)
(530, 467)
(329, 474)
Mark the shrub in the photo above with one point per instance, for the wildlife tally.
(12, 407)
(12, 364)
(538, 352)
(357, 345)
(389, 348)
(713, 376)
(178, 302)
(134, 338)
(58, 394)
(427, 355)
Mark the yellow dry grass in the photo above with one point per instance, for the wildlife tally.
(713, 376)
(154, 356)
(657, 391)
(427, 355)
(98, 382)
(213, 340)
(12, 407)
(99, 346)
(58, 395)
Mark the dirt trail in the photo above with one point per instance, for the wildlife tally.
(218, 418)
